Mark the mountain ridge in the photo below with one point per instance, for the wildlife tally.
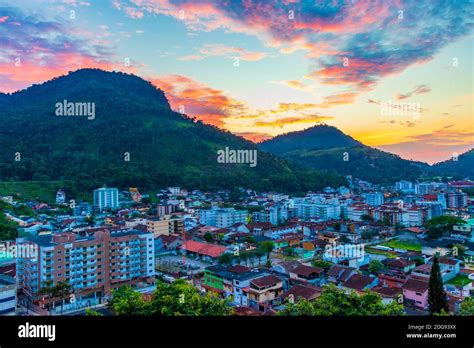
(135, 139)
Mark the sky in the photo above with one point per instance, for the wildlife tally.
(395, 75)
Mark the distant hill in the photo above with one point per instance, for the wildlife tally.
(314, 138)
(133, 118)
(325, 147)
(462, 168)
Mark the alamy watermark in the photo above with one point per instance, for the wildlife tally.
(400, 109)
(66, 108)
(18, 251)
(344, 251)
(237, 156)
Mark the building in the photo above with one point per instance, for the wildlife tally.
(8, 297)
(230, 281)
(60, 197)
(405, 186)
(175, 190)
(206, 251)
(424, 188)
(106, 198)
(222, 217)
(415, 292)
(374, 198)
(456, 200)
(356, 211)
(264, 291)
(93, 263)
(307, 274)
(158, 226)
(317, 208)
(167, 209)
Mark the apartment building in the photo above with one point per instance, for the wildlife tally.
(165, 225)
(222, 217)
(106, 198)
(8, 298)
(92, 262)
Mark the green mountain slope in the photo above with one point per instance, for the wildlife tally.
(462, 168)
(327, 148)
(132, 121)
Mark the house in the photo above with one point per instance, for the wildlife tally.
(440, 247)
(308, 292)
(286, 267)
(206, 251)
(410, 233)
(415, 292)
(264, 291)
(338, 274)
(360, 282)
(400, 265)
(389, 294)
(307, 274)
(230, 281)
(170, 242)
(392, 278)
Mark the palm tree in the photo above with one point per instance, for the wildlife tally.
(62, 289)
(47, 290)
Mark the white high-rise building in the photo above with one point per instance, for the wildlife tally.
(106, 198)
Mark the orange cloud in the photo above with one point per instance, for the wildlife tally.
(195, 98)
(281, 122)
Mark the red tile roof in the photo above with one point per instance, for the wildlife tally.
(266, 281)
(358, 281)
(306, 270)
(417, 285)
(207, 249)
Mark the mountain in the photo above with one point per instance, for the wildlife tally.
(314, 138)
(460, 169)
(325, 147)
(132, 138)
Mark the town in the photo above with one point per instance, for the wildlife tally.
(259, 253)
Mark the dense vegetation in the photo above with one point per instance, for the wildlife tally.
(463, 167)
(131, 118)
(327, 148)
(178, 298)
(8, 228)
(334, 301)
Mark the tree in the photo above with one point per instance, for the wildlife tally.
(367, 235)
(467, 307)
(375, 266)
(47, 291)
(226, 259)
(126, 301)
(62, 290)
(177, 298)
(208, 237)
(437, 299)
(344, 239)
(93, 313)
(290, 251)
(266, 247)
(366, 218)
(334, 301)
(441, 225)
(322, 264)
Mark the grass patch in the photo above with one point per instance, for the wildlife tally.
(403, 245)
(459, 280)
(389, 254)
